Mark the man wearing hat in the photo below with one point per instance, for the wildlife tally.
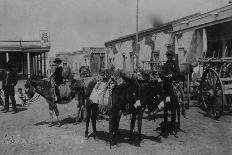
(170, 72)
(8, 83)
(171, 68)
(58, 76)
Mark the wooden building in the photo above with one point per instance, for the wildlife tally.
(152, 46)
(93, 57)
(27, 57)
(208, 34)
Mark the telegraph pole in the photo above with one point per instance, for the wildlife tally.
(137, 36)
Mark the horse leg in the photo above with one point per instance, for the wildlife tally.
(140, 116)
(50, 115)
(118, 120)
(79, 109)
(88, 115)
(111, 128)
(77, 120)
(94, 118)
(165, 125)
(178, 115)
(59, 123)
(132, 125)
(173, 117)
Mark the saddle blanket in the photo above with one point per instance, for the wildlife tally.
(65, 90)
(100, 94)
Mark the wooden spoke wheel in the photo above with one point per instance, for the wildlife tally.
(212, 95)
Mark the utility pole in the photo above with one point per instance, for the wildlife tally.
(137, 36)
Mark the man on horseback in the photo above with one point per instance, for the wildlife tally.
(8, 83)
(170, 72)
(58, 77)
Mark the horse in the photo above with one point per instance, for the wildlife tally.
(123, 98)
(45, 88)
(146, 90)
(174, 105)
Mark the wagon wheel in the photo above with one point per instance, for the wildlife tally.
(212, 94)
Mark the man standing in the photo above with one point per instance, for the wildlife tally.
(58, 77)
(8, 83)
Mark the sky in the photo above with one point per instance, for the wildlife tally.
(73, 24)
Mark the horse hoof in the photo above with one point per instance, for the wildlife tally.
(139, 141)
(94, 136)
(50, 124)
(76, 123)
(165, 134)
(86, 135)
(59, 124)
(130, 138)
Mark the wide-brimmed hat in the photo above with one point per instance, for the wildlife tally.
(57, 60)
(170, 52)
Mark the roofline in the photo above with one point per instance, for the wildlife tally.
(166, 26)
(141, 34)
(19, 41)
(206, 14)
(94, 47)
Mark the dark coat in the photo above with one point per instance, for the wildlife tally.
(10, 79)
(58, 75)
(171, 67)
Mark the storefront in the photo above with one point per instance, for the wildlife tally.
(26, 57)
(207, 35)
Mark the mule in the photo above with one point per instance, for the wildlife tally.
(145, 92)
(174, 105)
(122, 100)
(46, 89)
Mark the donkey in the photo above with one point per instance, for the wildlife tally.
(45, 88)
(123, 99)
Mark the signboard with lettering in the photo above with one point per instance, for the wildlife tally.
(44, 38)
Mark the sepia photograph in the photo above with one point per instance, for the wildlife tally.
(115, 77)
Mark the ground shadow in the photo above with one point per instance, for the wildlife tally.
(159, 115)
(123, 137)
(203, 113)
(20, 109)
(43, 123)
(17, 110)
(68, 120)
(160, 129)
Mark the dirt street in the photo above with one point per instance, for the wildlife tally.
(27, 133)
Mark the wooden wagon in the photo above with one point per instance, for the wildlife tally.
(216, 85)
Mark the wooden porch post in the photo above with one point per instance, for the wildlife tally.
(7, 57)
(34, 66)
(37, 65)
(28, 65)
(44, 64)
